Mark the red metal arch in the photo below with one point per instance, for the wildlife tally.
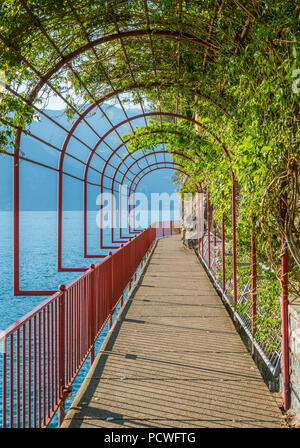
(16, 189)
(44, 78)
(125, 174)
(145, 174)
(151, 114)
(175, 166)
(158, 131)
(121, 35)
(113, 179)
(112, 189)
(192, 120)
(85, 254)
(104, 98)
(62, 62)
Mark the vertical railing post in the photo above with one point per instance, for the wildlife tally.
(202, 224)
(91, 323)
(111, 290)
(135, 255)
(61, 354)
(16, 212)
(122, 276)
(208, 228)
(215, 246)
(223, 253)
(234, 242)
(198, 221)
(284, 308)
(101, 213)
(4, 382)
(129, 261)
(253, 276)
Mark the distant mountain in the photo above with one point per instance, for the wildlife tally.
(38, 185)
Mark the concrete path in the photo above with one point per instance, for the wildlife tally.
(173, 358)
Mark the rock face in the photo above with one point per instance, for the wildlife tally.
(189, 210)
(294, 346)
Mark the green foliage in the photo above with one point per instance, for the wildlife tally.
(241, 93)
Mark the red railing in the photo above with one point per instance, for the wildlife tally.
(44, 351)
(234, 274)
(164, 228)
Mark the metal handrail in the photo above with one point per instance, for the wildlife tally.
(45, 349)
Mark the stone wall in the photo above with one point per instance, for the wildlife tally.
(188, 220)
(294, 343)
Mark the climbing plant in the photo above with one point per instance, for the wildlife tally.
(232, 66)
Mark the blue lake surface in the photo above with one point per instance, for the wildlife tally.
(38, 256)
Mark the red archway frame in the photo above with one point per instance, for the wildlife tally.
(175, 115)
(198, 187)
(85, 180)
(174, 165)
(121, 183)
(133, 182)
(59, 216)
(161, 131)
(43, 80)
(121, 35)
(59, 206)
(196, 122)
(112, 189)
(145, 174)
(66, 142)
(156, 167)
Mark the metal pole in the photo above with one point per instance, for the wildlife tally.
(16, 212)
(284, 310)
(110, 296)
(253, 276)
(112, 204)
(223, 253)
(199, 222)
(61, 355)
(92, 314)
(215, 246)
(202, 225)
(101, 215)
(208, 228)
(85, 219)
(234, 242)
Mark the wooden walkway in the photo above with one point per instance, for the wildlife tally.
(173, 358)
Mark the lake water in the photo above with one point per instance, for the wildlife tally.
(38, 253)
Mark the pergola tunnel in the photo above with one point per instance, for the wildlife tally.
(106, 105)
